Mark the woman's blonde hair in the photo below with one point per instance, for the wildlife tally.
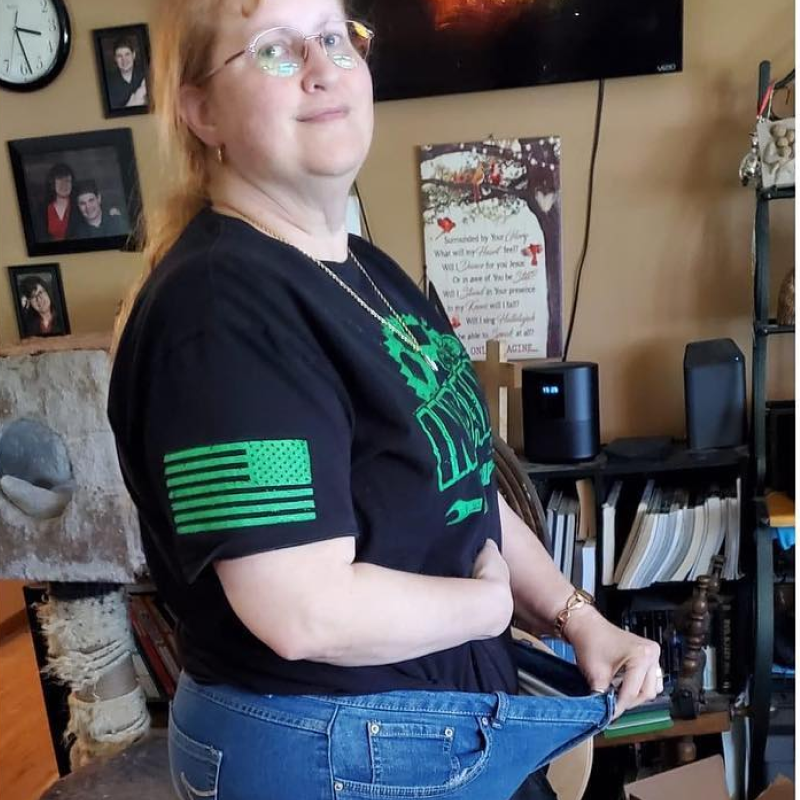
(181, 56)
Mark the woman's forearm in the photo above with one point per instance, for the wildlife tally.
(315, 602)
(540, 589)
(382, 616)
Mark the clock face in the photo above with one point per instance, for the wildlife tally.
(34, 42)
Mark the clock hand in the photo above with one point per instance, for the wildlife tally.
(22, 47)
(27, 30)
(13, 38)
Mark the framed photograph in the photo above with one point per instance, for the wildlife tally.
(39, 300)
(77, 192)
(123, 66)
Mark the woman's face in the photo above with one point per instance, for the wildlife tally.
(40, 300)
(124, 58)
(316, 123)
(63, 185)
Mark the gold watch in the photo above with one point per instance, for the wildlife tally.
(578, 599)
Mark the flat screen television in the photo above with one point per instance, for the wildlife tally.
(434, 47)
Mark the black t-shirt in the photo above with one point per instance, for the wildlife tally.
(120, 91)
(257, 406)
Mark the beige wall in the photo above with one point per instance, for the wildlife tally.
(669, 256)
(93, 282)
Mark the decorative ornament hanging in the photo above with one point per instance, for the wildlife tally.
(786, 300)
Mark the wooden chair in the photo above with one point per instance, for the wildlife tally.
(569, 774)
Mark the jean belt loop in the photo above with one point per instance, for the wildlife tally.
(501, 711)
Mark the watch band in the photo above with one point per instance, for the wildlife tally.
(578, 599)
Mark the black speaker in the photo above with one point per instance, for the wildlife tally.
(561, 411)
(714, 394)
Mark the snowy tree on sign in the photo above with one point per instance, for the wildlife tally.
(492, 216)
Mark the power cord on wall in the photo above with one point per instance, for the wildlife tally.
(363, 211)
(589, 200)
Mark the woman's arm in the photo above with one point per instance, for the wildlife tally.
(540, 589)
(312, 602)
(602, 649)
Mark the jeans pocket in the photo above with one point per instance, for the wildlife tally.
(194, 766)
(407, 756)
(411, 753)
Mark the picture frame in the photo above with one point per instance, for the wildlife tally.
(77, 192)
(122, 54)
(39, 300)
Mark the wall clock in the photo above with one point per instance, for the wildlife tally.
(34, 43)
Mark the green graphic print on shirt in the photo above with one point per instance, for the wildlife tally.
(240, 485)
(452, 414)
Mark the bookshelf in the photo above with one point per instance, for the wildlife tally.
(764, 328)
(680, 468)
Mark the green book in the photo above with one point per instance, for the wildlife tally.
(644, 722)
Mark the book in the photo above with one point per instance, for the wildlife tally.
(587, 520)
(570, 531)
(733, 533)
(609, 533)
(584, 567)
(684, 529)
(558, 534)
(641, 513)
(552, 510)
(146, 681)
(154, 647)
(716, 522)
(722, 640)
(152, 657)
(698, 535)
(166, 630)
(658, 546)
(642, 722)
(677, 541)
(631, 576)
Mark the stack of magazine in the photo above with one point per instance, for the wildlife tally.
(674, 535)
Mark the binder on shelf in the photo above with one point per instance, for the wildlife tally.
(585, 565)
(609, 533)
(570, 530)
(550, 527)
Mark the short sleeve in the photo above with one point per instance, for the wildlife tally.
(248, 440)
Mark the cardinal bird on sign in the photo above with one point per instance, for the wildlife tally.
(446, 224)
(495, 176)
(455, 322)
(533, 251)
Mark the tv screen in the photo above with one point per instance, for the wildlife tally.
(433, 47)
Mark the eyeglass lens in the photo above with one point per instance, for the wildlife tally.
(281, 52)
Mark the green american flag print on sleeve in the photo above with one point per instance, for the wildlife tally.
(240, 485)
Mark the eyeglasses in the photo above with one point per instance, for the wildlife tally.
(282, 52)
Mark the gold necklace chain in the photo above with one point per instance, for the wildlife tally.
(404, 334)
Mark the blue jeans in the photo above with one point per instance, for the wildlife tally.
(228, 744)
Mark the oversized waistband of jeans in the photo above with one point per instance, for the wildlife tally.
(498, 707)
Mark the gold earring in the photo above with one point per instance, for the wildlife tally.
(221, 154)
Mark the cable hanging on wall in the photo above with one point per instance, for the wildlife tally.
(582, 259)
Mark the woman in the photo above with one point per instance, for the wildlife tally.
(61, 216)
(39, 315)
(310, 454)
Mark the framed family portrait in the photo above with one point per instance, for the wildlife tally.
(77, 192)
(39, 300)
(123, 66)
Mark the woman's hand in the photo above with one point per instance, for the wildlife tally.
(491, 568)
(604, 651)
